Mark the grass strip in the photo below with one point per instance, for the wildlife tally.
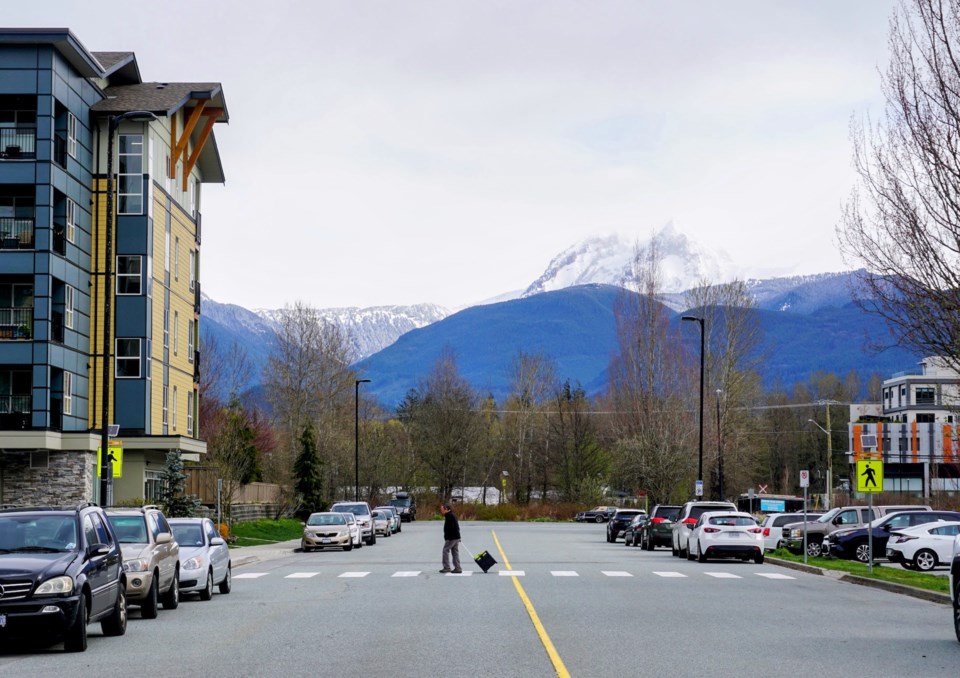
(881, 571)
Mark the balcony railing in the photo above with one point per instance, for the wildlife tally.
(18, 143)
(16, 323)
(16, 233)
(14, 404)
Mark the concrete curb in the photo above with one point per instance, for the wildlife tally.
(902, 589)
(249, 555)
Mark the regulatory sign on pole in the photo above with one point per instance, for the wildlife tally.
(869, 475)
(804, 478)
(698, 489)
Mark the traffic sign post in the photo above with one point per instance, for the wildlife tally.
(805, 484)
(698, 488)
(870, 481)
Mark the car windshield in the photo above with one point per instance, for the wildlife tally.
(732, 521)
(129, 529)
(189, 534)
(400, 502)
(327, 519)
(828, 516)
(355, 509)
(48, 533)
(669, 513)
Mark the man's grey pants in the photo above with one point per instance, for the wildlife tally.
(454, 546)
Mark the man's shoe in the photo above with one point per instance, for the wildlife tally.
(445, 570)
(458, 571)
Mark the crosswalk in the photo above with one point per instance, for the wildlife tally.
(515, 573)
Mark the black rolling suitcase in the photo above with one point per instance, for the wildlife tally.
(483, 559)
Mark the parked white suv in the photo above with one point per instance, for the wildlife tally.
(361, 511)
(689, 514)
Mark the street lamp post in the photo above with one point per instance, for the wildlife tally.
(829, 500)
(356, 435)
(106, 468)
(699, 321)
(719, 447)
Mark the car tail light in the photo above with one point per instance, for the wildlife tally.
(656, 521)
(711, 530)
(690, 521)
(904, 537)
(766, 532)
(754, 530)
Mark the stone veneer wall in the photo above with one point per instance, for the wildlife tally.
(241, 512)
(67, 480)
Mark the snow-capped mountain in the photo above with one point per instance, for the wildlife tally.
(608, 260)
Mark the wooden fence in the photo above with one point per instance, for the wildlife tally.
(201, 482)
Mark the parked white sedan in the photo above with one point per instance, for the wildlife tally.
(204, 557)
(726, 534)
(923, 547)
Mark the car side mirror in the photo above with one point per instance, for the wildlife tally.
(217, 541)
(97, 550)
(164, 538)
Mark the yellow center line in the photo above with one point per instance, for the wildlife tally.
(558, 665)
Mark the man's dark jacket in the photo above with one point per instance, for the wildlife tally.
(451, 527)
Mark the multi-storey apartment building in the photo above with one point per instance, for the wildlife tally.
(914, 429)
(59, 104)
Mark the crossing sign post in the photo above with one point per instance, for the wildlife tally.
(870, 481)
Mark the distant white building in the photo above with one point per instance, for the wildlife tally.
(914, 426)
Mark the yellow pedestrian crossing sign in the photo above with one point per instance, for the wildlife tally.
(116, 458)
(869, 475)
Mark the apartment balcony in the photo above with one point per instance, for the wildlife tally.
(16, 323)
(16, 233)
(18, 143)
(14, 412)
(196, 367)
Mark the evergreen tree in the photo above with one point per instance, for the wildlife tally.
(173, 501)
(308, 474)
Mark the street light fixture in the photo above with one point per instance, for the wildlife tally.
(356, 436)
(699, 321)
(106, 468)
(719, 446)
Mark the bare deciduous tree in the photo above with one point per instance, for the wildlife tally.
(902, 222)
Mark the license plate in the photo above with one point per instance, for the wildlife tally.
(3, 620)
(735, 535)
(325, 540)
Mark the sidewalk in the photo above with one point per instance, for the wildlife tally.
(248, 555)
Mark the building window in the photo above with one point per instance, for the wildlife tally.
(130, 175)
(68, 306)
(128, 358)
(174, 408)
(71, 220)
(925, 395)
(176, 330)
(191, 328)
(190, 413)
(129, 274)
(152, 485)
(67, 393)
(148, 357)
(166, 391)
(193, 270)
(72, 135)
(926, 418)
(166, 328)
(192, 197)
(176, 258)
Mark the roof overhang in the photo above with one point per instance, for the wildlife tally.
(63, 40)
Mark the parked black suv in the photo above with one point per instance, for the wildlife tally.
(60, 570)
(621, 519)
(406, 505)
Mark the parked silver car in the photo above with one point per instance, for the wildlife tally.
(204, 557)
(330, 530)
(361, 511)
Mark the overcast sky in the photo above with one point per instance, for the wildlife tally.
(444, 151)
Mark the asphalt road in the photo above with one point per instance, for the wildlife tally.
(573, 605)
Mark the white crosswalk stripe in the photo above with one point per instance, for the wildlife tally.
(301, 575)
(723, 575)
(411, 573)
(671, 574)
(773, 575)
(522, 573)
(250, 575)
(564, 573)
(459, 574)
(512, 573)
(616, 573)
(348, 575)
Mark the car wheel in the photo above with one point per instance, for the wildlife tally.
(349, 546)
(148, 608)
(75, 638)
(862, 552)
(673, 550)
(207, 592)
(701, 556)
(598, 519)
(116, 623)
(305, 548)
(814, 549)
(225, 585)
(925, 560)
(171, 599)
(690, 554)
(608, 537)
(683, 552)
(758, 559)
